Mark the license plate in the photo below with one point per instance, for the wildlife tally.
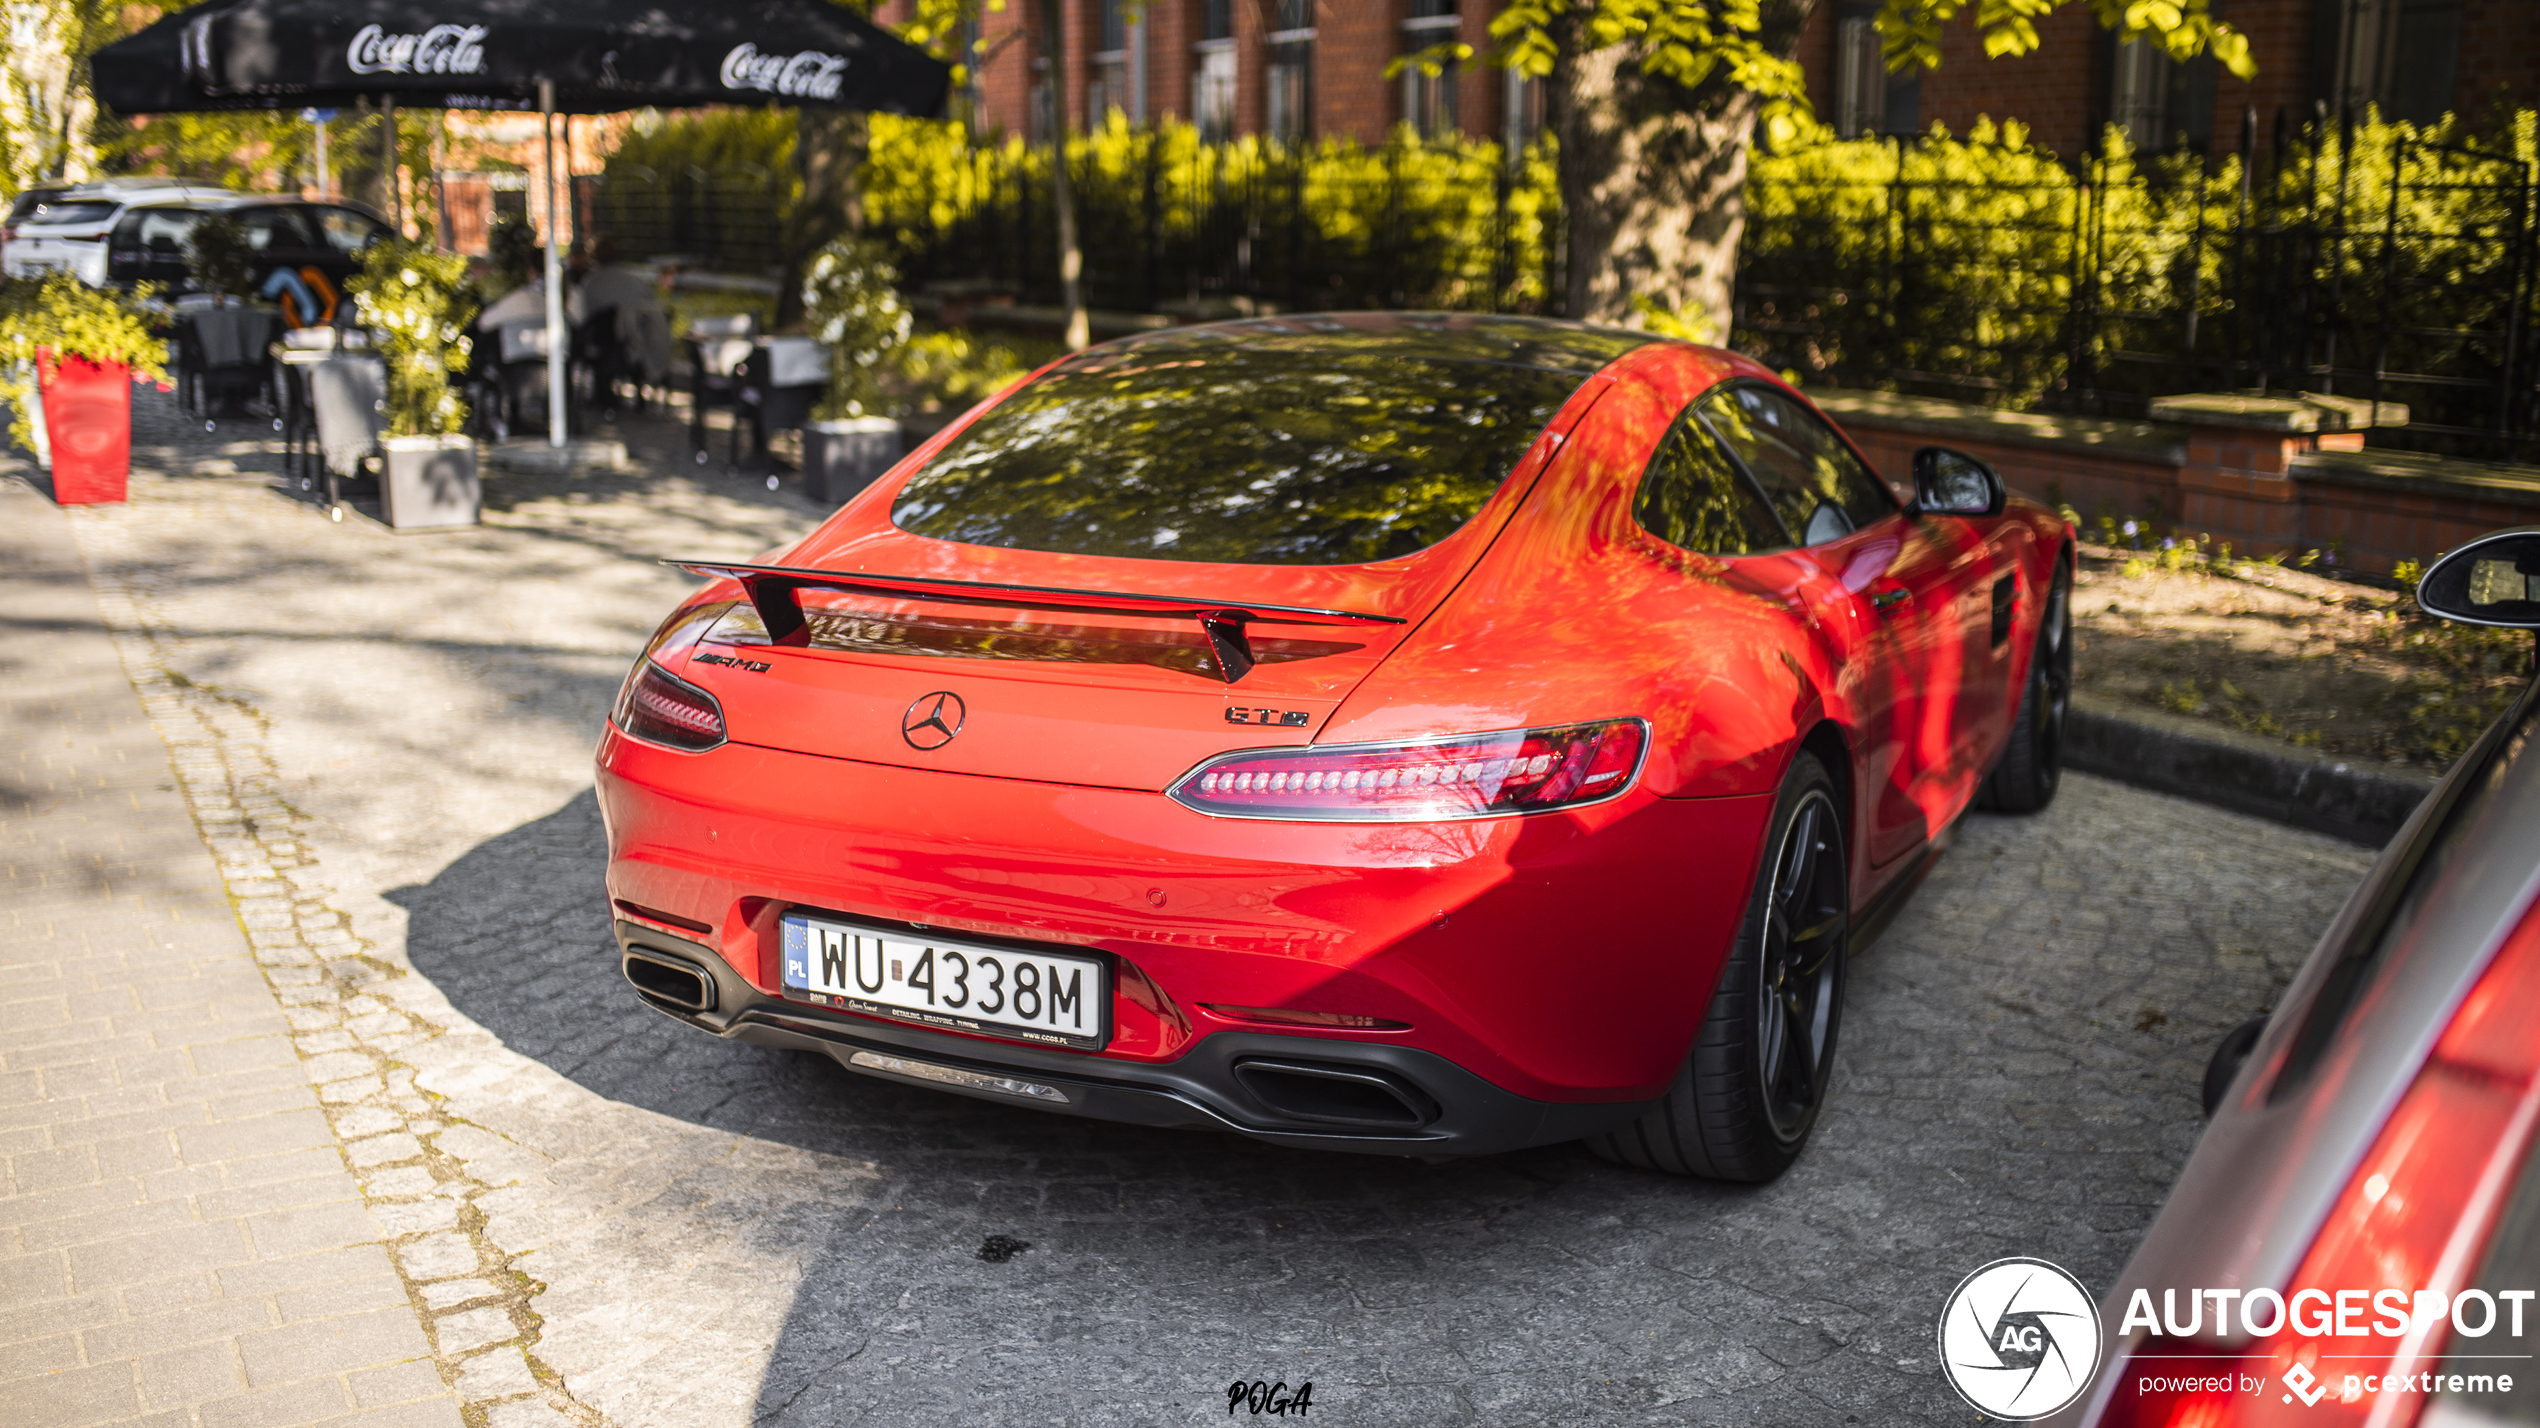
(1030, 996)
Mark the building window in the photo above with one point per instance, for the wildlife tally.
(2138, 91)
(1107, 69)
(1213, 73)
(1869, 99)
(1213, 91)
(1041, 117)
(1861, 79)
(1428, 100)
(2403, 55)
(1522, 102)
(1291, 73)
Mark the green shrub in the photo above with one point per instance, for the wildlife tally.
(218, 258)
(414, 301)
(61, 315)
(1406, 223)
(850, 297)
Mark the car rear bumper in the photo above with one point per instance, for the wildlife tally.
(1558, 958)
(1257, 1084)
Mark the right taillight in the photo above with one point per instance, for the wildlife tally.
(661, 708)
(1466, 776)
(2412, 1217)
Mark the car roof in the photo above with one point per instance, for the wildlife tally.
(1545, 344)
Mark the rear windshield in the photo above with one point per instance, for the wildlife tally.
(1248, 456)
(70, 210)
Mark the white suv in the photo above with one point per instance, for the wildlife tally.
(66, 226)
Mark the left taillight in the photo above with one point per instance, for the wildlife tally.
(1467, 776)
(661, 708)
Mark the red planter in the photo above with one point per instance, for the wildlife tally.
(88, 421)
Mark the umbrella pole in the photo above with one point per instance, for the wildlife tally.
(555, 273)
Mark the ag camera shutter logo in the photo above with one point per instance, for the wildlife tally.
(2019, 1339)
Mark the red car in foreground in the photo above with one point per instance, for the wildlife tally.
(1419, 734)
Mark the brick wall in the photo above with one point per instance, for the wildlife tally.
(2262, 493)
(2500, 57)
(1172, 26)
(1354, 41)
(2055, 90)
(1006, 80)
(2279, 34)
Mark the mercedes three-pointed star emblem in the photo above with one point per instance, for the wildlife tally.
(932, 721)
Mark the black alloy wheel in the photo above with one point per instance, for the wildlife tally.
(1806, 926)
(1749, 1092)
(2032, 764)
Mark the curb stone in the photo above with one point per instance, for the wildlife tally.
(2354, 799)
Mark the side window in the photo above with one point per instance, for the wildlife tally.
(1692, 497)
(275, 231)
(165, 231)
(1821, 489)
(345, 231)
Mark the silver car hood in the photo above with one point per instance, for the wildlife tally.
(2263, 1178)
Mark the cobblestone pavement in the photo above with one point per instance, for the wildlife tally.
(605, 1217)
(181, 1234)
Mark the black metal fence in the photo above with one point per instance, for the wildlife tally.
(1394, 227)
(2361, 260)
(729, 220)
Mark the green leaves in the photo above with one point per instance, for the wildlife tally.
(418, 306)
(65, 316)
(851, 298)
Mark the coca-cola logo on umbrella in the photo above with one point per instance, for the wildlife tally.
(443, 49)
(807, 75)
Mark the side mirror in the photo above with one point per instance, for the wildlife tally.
(2493, 580)
(1952, 483)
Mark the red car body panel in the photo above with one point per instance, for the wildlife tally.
(1564, 956)
(1467, 930)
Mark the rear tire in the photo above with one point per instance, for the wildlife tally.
(2032, 764)
(1743, 1103)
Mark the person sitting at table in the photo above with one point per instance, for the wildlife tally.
(623, 304)
(518, 258)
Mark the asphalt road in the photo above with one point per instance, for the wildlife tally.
(662, 1229)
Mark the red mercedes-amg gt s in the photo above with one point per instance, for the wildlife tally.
(1424, 734)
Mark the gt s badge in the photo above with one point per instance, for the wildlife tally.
(754, 666)
(1290, 717)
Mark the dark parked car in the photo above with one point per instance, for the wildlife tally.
(316, 246)
(134, 231)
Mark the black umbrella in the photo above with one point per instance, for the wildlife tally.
(556, 56)
(493, 54)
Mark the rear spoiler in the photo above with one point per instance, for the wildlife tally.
(772, 589)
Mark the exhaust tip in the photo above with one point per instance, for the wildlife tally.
(669, 980)
(1330, 1094)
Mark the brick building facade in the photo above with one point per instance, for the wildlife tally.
(1315, 68)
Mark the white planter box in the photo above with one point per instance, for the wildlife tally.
(428, 482)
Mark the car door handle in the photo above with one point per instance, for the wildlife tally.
(1887, 600)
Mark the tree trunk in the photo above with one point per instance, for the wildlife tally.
(1071, 257)
(1653, 182)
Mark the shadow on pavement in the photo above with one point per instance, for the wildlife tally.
(1982, 1108)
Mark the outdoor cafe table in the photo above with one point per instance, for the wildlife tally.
(331, 400)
